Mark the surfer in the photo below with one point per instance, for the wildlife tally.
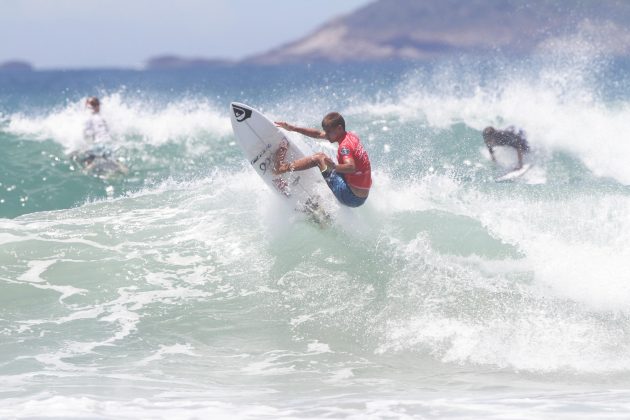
(96, 133)
(508, 137)
(98, 158)
(350, 178)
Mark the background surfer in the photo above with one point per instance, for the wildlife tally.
(96, 132)
(508, 137)
(350, 179)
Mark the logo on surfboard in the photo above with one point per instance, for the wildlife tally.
(241, 113)
(261, 154)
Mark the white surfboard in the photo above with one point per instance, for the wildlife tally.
(259, 138)
(100, 167)
(514, 174)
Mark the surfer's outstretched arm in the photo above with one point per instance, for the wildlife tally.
(492, 153)
(309, 132)
(519, 152)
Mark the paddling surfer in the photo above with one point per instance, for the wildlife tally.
(508, 137)
(96, 133)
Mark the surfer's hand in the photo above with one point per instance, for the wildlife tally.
(284, 125)
(330, 163)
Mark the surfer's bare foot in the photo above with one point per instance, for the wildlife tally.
(280, 166)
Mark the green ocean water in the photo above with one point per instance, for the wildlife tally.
(187, 289)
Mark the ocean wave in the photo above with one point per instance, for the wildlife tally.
(133, 122)
(560, 107)
(449, 273)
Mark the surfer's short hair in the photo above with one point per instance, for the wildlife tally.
(333, 119)
(93, 101)
(488, 133)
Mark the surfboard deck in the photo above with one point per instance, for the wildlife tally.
(512, 175)
(259, 139)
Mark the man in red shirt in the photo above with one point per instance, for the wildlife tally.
(350, 178)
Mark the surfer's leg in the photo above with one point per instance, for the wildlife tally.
(302, 164)
(318, 159)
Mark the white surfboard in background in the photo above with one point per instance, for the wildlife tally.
(510, 176)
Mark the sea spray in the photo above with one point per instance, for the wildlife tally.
(191, 291)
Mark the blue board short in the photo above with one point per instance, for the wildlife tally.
(341, 190)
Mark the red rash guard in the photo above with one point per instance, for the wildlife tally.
(351, 147)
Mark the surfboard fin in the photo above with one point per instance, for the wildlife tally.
(317, 213)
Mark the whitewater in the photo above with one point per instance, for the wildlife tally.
(187, 289)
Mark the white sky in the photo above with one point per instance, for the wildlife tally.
(124, 33)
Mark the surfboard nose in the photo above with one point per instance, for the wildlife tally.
(241, 112)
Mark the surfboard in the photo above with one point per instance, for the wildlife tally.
(101, 167)
(514, 174)
(106, 168)
(259, 139)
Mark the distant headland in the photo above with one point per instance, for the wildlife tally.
(15, 66)
(426, 29)
(421, 30)
(174, 62)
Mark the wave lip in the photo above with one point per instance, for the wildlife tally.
(152, 122)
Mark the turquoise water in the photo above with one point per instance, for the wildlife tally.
(186, 289)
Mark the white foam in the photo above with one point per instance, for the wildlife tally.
(128, 118)
(272, 364)
(36, 269)
(33, 277)
(204, 405)
(576, 247)
(185, 349)
(318, 348)
(558, 107)
(537, 341)
(575, 264)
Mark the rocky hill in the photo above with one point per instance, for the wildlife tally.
(174, 62)
(16, 66)
(424, 29)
